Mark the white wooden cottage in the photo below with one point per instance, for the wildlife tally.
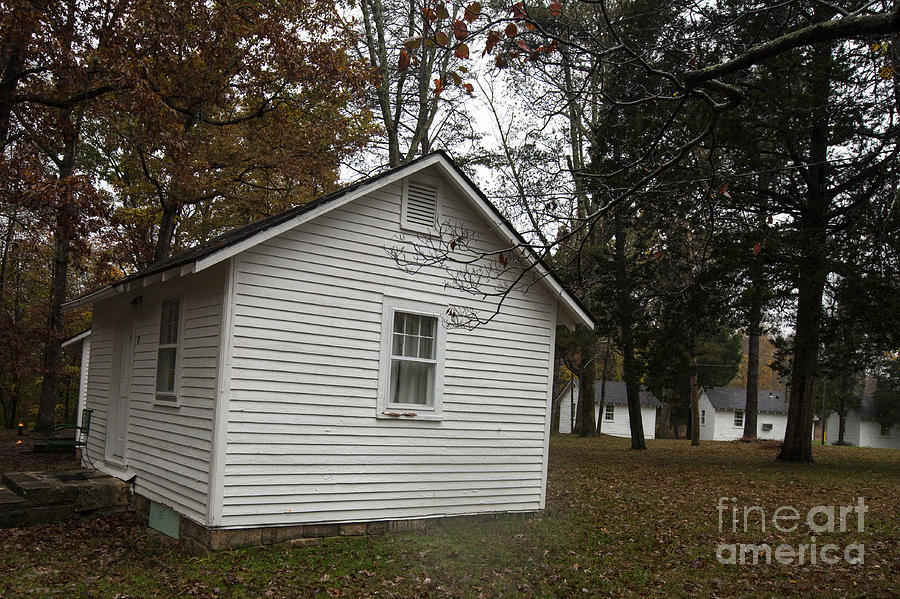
(722, 414)
(292, 373)
(615, 420)
(862, 428)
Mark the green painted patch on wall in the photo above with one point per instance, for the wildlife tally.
(164, 519)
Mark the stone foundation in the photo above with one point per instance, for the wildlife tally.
(202, 539)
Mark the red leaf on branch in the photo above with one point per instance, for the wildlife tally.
(511, 30)
(470, 89)
(403, 61)
(438, 86)
(460, 30)
(462, 51)
(757, 248)
(524, 45)
(555, 9)
(492, 38)
(518, 10)
(472, 12)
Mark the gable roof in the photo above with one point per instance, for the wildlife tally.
(729, 398)
(616, 394)
(221, 248)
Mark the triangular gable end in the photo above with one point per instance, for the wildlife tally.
(573, 311)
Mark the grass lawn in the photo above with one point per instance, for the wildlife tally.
(618, 523)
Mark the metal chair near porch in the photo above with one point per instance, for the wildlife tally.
(76, 441)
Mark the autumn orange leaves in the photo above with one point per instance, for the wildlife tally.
(453, 33)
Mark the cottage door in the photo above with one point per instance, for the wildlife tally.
(120, 392)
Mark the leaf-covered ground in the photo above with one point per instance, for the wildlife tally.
(618, 524)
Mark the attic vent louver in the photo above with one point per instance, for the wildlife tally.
(419, 206)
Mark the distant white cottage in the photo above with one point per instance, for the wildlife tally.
(862, 429)
(722, 411)
(289, 378)
(616, 421)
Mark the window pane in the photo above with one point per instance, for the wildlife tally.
(426, 348)
(168, 326)
(427, 329)
(412, 382)
(410, 324)
(410, 346)
(165, 369)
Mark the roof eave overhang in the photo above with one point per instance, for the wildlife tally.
(128, 285)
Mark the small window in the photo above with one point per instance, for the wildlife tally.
(885, 430)
(609, 412)
(413, 359)
(167, 354)
(739, 419)
(766, 427)
(702, 416)
(419, 208)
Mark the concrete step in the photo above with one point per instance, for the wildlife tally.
(41, 497)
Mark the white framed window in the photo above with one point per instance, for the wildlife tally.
(412, 360)
(739, 418)
(766, 427)
(167, 354)
(419, 206)
(609, 412)
(702, 416)
(885, 430)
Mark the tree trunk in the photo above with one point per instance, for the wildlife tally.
(695, 402)
(752, 398)
(52, 349)
(586, 380)
(603, 377)
(166, 233)
(630, 369)
(52, 353)
(812, 272)
(664, 422)
(842, 427)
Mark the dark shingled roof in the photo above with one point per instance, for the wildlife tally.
(728, 398)
(615, 394)
(241, 233)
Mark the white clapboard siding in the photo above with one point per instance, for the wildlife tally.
(168, 448)
(303, 441)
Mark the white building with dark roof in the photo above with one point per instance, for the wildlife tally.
(615, 420)
(722, 413)
(862, 428)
